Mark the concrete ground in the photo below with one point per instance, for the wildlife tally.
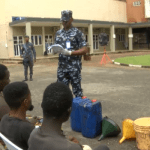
(122, 91)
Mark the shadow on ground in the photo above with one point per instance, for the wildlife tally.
(123, 92)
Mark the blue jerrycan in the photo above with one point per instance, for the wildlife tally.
(75, 118)
(91, 118)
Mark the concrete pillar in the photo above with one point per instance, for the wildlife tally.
(43, 38)
(90, 37)
(61, 26)
(130, 39)
(112, 38)
(28, 30)
(10, 43)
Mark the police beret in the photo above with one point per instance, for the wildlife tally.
(66, 15)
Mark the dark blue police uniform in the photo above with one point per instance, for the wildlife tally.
(28, 50)
(69, 67)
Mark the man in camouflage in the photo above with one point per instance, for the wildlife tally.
(74, 46)
(27, 52)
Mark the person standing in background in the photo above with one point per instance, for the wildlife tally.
(27, 52)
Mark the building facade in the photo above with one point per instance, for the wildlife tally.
(138, 11)
(41, 20)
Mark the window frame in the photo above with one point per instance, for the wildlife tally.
(18, 43)
(38, 40)
(137, 3)
(96, 41)
(121, 37)
(108, 37)
(49, 38)
(86, 38)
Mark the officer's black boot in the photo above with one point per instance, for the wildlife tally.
(26, 79)
(31, 78)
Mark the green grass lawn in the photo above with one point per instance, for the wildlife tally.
(135, 60)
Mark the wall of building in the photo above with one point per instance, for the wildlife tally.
(38, 48)
(20, 31)
(97, 31)
(3, 49)
(36, 30)
(140, 40)
(108, 10)
(119, 45)
(136, 13)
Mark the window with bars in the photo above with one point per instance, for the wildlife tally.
(95, 42)
(49, 39)
(86, 38)
(18, 41)
(137, 3)
(121, 38)
(108, 37)
(36, 40)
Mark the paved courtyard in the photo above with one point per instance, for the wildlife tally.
(123, 92)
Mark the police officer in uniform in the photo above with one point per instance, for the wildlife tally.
(27, 52)
(74, 44)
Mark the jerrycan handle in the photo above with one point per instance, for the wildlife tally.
(94, 100)
(84, 97)
(84, 105)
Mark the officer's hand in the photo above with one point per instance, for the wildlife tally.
(34, 60)
(66, 52)
(21, 56)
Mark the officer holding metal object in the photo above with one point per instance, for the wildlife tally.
(72, 46)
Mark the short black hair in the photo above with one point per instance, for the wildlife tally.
(57, 99)
(3, 70)
(15, 93)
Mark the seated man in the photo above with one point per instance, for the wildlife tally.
(14, 125)
(4, 80)
(56, 105)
